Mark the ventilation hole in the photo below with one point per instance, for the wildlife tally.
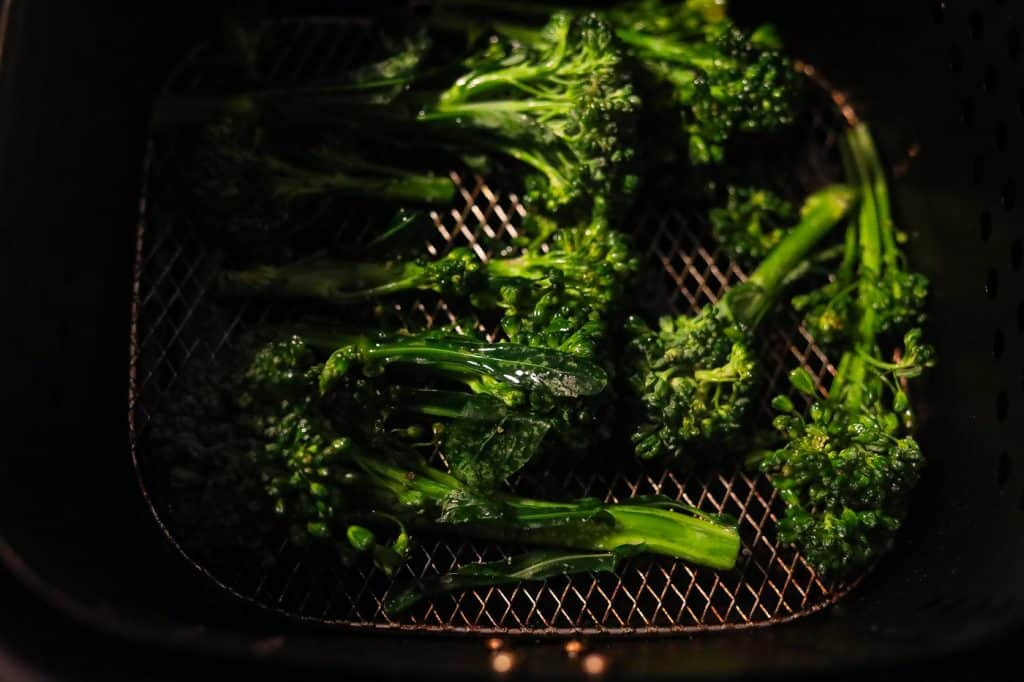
(978, 169)
(1020, 317)
(956, 59)
(976, 25)
(1009, 193)
(985, 224)
(967, 112)
(1016, 255)
(990, 81)
(1001, 136)
(992, 284)
(998, 344)
(937, 10)
(1003, 469)
(1013, 43)
(1002, 406)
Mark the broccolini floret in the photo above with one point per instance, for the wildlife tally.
(559, 100)
(897, 294)
(560, 298)
(331, 478)
(845, 473)
(695, 375)
(725, 80)
(753, 222)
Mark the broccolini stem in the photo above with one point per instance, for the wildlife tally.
(850, 381)
(183, 111)
(655, 530)
(392, 184)
(750, 301)
(458, 109)
(696, 539)
(848, 266)
(670, 50)
(869, 217)
(451, 404)
(555, 178)
(334, 282)
(869, 154)
(466, 88)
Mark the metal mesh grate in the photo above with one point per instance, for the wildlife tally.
(177, 320)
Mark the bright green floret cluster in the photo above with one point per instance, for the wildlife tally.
(301, 429)
(560, 100)
(358, 434)
(561, 297)
(846, 472)
(725, 80)
(696, 375)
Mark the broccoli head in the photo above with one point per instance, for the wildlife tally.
(559, 99)
(845, 475)
(752, 222)
(725, 80)
(695, 376)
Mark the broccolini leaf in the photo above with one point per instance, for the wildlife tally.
(482, 454)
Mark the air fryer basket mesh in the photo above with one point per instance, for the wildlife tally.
(173, 325)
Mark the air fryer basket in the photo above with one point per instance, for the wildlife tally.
(939, 81)
(177, 321)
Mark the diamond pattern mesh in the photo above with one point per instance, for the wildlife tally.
(175, 324)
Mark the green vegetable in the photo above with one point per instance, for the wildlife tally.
(515, 373)
(897, 294)
(264, 156)
(249, 186)
(846, 471)
(330, 478)
(726, 81)
(530, 566)
(696, 375)
(502, 402)
(752, 222)
(716, 80)
(560, 299)
(560, 101)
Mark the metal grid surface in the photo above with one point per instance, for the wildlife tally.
(178, 320)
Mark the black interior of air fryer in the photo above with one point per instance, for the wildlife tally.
(942, 84)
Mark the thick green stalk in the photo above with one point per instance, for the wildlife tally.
(750, 301)
(508, 371)
(447, 404)
(658, 531)
(869, 156)
(473, 85)
(533, 266)
(322, 101)
(381, 183)
(850, 381)
(339, 283)
(469, 109)
(573, 524)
